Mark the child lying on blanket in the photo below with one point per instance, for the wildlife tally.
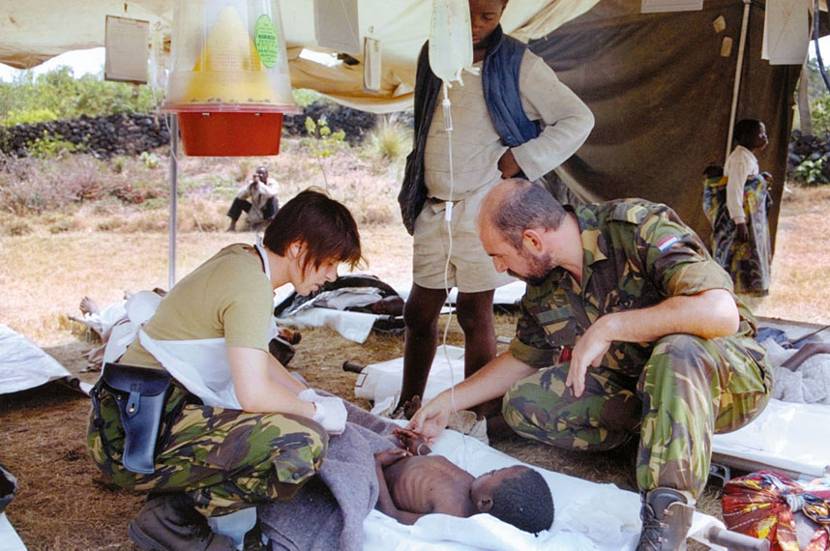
(412, 485)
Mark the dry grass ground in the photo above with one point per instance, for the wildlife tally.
(63, 504)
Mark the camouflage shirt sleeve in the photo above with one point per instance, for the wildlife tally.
(530, 345)
(675, 258)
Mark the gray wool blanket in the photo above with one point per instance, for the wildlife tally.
(328, 511)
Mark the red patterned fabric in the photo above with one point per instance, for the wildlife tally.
(761, 505)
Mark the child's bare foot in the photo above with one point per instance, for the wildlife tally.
(88, 306)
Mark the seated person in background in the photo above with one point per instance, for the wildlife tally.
(258, 198)
(413, 485)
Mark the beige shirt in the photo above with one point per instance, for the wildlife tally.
(477, 148)
(258, 194)
(739, 167)
(228, 296)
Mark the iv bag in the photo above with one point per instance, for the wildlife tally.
(450, 39)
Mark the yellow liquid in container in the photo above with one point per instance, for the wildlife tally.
(229, 69)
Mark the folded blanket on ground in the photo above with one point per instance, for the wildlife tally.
(328, 512)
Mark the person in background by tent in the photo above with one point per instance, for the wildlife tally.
(258, 198)
(736, 201)
(252, 433)
(628, 330)
(514, 117)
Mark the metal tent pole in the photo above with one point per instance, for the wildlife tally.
(738, 71)
(171, 224)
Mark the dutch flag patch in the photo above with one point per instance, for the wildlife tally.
(665, 244)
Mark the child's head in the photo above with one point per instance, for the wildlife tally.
(484, 18)
(751, 133)
(517, 495)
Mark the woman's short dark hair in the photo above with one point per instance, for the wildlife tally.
(323, 225)
(746, 130)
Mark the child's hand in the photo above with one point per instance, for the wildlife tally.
(742, 232)
(414, 442)
(392, 455)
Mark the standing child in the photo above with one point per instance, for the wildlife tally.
(514, 117)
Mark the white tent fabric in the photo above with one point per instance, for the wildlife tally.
(33, 31)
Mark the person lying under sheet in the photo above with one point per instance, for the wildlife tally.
(413, 484)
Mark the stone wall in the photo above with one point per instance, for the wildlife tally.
(132, 134)
(125, 134)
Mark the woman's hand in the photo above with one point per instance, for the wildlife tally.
(431, 420)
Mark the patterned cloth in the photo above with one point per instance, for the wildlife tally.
(765, 504)
(748, 262)
(224, 459)
(675, 392)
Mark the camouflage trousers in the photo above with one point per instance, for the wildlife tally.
(689, 389)
(224, 459)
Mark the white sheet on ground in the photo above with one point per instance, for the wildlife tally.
(786, 435)
(380, 381)
(24, 365)
(507, 295)
(9, 540)
(354, 326)
(589, 516)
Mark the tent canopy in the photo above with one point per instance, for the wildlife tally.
(33, 31)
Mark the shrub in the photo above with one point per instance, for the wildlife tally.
(17, 228)
(29, 116)
(305, 97)
(50, 147)
(390, 141)
(811, 172)
(150, 160)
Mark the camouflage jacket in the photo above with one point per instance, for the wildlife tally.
(636, 254)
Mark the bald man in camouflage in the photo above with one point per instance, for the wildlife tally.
(628, 329)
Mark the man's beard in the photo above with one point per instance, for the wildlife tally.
(538, 270)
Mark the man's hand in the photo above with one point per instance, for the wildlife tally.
(431, 420)
(742, 232)
(508, 165)
(392, 455)
(589, 350)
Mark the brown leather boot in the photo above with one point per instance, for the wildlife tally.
(169, 522)
(666, 517)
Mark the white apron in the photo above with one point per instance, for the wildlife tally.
(201, 365)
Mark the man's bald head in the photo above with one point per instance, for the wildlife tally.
(516, 205)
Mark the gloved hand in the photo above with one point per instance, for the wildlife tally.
(330, 413)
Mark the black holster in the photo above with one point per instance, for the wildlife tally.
(140, 394)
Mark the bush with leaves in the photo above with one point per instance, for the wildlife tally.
(58, 92)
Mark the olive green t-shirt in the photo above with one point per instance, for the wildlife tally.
(228, 296)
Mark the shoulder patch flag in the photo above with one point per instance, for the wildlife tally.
(665, 244)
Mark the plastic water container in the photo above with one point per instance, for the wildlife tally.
(230, 83)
